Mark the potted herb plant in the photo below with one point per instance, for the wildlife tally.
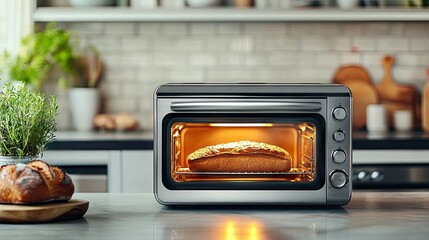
(84, 96)
(41, 52)
(27, 123)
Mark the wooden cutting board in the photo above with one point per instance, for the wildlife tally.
(61, 211)
(351, 72)
(363, 94)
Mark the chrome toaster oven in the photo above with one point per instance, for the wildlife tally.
(252, 144)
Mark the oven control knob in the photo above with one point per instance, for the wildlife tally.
(339, 136)
(339, 156)
(339, 113)
(338, 179)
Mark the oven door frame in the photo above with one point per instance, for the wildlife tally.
(163, 107)
(171, 118)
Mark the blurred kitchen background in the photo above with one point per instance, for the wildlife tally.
(145, 43)
(140, 55)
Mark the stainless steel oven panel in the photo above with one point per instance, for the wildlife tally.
(339, 170)
(330, 100)
(290, 197)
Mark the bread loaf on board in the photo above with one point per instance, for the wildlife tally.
(241, 156)
(35, 182)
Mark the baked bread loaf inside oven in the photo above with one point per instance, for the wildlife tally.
(35, 182)
(241, 156)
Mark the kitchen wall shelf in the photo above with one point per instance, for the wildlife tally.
(125, 14)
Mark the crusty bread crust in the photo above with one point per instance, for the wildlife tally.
(35, 182)
(241, 156)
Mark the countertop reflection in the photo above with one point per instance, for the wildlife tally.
(370, 215)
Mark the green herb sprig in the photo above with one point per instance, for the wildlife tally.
(39, 52)
(27, 121)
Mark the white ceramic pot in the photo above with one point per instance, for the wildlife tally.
(347, 4)
(84, 105)
(89, 3)
(202, 3)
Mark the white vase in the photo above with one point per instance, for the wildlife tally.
(347, 4)
(84, 105)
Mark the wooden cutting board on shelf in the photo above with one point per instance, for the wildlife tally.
(42, 213)
(351, 72)
(363, 94)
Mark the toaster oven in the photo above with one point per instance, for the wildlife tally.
(252, 144)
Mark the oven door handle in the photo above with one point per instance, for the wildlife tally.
(246, 106)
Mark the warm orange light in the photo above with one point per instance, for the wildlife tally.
(254, 232)
(230, 231)
(243, 230)
(241, 124)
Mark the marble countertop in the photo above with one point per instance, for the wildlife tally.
(369, 215)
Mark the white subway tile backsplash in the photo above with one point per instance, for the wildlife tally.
(242, 44)
(137, 59)
(409, 75)
(110, 59)
(256, 60)
(282, 43)
(150, 74)
(134, 44)
(282, 59)
(119, 28)
(419, 44)
(397, 29)
(168, 59)
(121, 104)
(372, 58)
(417, 29)
(377, 29)
(131, 90)
(230, 28)
(316, 44)
(327, 59)
(265, 28)
(289, 75)
(230, 59)
(105, 44)
(90, 28)
(110, 90)
(223, 75)
(202, 59)
(118, 75)
(175, 29)
(215, 43)
(364, 43)
(203, 28)
(312, 29)
(141, 56)
(352, 29)
(149, 29)
(316, 75)
(350, 58)
(392, 44)
(342, 44)
(182, 44)
(413, 59)
(184, 75)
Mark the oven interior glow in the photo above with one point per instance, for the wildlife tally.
(298, 139)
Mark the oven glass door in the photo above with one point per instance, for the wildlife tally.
(241, 151)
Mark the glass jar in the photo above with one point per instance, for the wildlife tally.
(5, 160)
